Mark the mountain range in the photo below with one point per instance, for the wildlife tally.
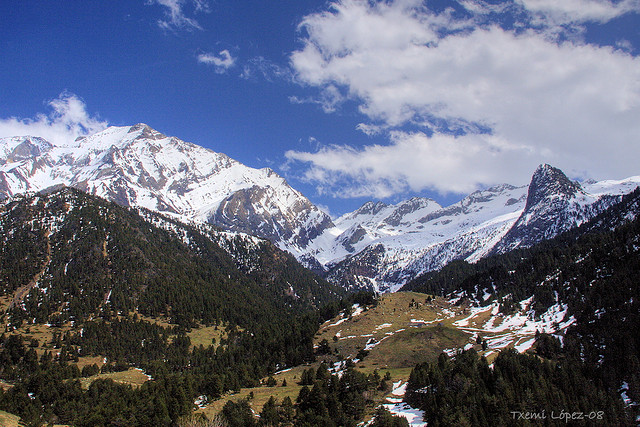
(138, 166)
(385, 246)
(142, 250)
(378, 246)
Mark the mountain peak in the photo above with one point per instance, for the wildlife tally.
(548, 181)
(139, 126)
(16, 149)
(554, 204)
(146, 131)
(371, 208)
(139, 166)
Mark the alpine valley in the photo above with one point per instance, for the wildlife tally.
(147, 281)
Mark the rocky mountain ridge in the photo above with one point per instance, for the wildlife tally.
(379, 246)
(369, 251)
(138, 166)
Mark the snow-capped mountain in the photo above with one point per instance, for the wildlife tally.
(383, 246)
(554, 204)
(395, 243)
(379, 246)
(138, 166)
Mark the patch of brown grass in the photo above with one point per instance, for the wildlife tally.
(261, 394)
(390, 324)
(9, 420)
(132, 376)
(90, 360)
(204, 335)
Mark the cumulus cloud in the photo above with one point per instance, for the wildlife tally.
(221, 61)
(68, 120)
(482, 98)
(175, 16)
(412, 162)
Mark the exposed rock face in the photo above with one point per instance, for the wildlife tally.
(379, 246)
(139, 166)
(554, 204)
(256, 211)
(383, 246)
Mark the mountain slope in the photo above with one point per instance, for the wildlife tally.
(382, 247)
(586, 275)
(390, 244)
(83, 280)
(138, 166)
(379, 246)
(68, 255)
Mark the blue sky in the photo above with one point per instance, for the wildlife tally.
(349, 100)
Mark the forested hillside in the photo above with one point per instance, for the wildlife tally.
(84, 280)
(517, 389)
(594, 271)
(99, 274)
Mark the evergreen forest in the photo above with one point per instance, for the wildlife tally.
(130, 285)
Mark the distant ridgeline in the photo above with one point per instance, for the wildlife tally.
(594, 270)
(377, 247)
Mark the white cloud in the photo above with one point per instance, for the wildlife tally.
(329, 99)
(481, 7)
(371, 129)
(221, 62)
(268, 70)
(556, 12)
(519, 98)
(414, 162)
(68, 120)
(577, 11)
(624, 45)
(175, 17)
